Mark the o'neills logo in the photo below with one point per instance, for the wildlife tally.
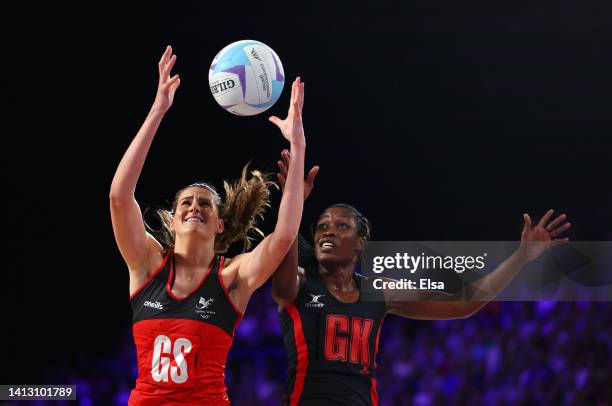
(222, 86)
(155, 305)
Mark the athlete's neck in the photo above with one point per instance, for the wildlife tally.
(339, 277)
(191, 256)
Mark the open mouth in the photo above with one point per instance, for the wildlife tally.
(326, 244)
(194, 219)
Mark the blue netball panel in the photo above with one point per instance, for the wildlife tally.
(277, 89)
(233, 56)
(240, 58)
(221, 66)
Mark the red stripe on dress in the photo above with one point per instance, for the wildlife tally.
(373, 392)
(229, 299)
(169, 288)
(302, 355)
(158, 270)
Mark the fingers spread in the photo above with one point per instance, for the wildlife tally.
(300, 101)
(282, 167)
(173, 79)
(286, 158)
(281, 179)
(285, 155)
(560, 241)
(165, 55)
(545, 218)
(174, 85)
(312, 174)
(169, 65)
(526, 223)
(275, 120)
(556, 222)
(293, 92)
(560, 230)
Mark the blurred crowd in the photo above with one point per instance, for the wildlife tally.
(510, 353)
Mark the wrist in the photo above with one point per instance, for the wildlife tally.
(298, 142)
(157, 111)
(521, 255)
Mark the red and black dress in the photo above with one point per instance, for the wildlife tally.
(182, 344)
(331, 346)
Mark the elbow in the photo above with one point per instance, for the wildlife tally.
(283, 298)
(114, 195)
(118, 195)
(115, 198)
(119, 199)
(468, 309)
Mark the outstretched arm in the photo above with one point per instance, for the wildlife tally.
(286, 279)
(534, 241)
(133, 241)
(256, 267)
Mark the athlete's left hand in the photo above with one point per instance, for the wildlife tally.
(536, 239)
(292, 127)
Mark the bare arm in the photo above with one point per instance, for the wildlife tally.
(534, 241)
(132, 239)
(258, 265)
(286, 279)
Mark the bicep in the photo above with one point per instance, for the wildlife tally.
(134, 243)
(286, 291)
(260, 264)
(286, 278)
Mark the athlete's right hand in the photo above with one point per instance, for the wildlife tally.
(283, 167)
(167, 85)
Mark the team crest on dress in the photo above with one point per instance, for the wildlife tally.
(202, 307)
(314, 301)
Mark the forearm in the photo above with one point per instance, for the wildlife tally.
(292, 202)
(285, 281)
(265, 259)
(431, 305)
(130, 167)
(487, 288)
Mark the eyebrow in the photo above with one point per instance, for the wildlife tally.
(191, 197)
(346, 219)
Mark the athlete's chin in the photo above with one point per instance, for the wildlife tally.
(197, 232)
(330, 259)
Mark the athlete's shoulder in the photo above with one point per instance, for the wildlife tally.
(234, 261)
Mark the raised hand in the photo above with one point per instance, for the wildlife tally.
(283, 167)
(167, 85)
(536, 239)
(291, 127)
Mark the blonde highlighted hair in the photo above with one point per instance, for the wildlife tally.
(246, 200)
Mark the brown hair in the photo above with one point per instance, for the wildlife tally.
(246, 199)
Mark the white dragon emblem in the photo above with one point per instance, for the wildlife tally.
(203, 304)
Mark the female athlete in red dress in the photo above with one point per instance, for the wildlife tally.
(187, 300)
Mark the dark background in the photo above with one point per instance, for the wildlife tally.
(439, 120)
